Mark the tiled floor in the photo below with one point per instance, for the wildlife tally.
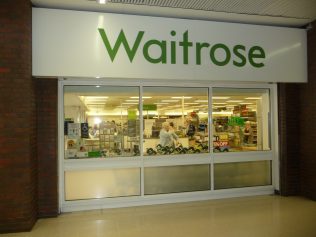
(267, 216)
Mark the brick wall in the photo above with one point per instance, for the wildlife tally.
(47, 128)
(297, 116)
(289, 142)
(308, 122)
(18, 163)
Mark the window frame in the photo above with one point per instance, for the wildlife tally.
(142, 161)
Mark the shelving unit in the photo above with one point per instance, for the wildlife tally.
(92, 144)
(108, 137)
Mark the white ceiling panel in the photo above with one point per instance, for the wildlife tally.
(292, 13)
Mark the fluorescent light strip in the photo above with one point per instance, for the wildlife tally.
(129, 103)
(137, 97)
(181, 97)
(219, 103)
(253, 98)
(246, 103)
(191, 103)
(234, 101)
(169, 101)
(201, 101)
(96, 97)
(220, 97)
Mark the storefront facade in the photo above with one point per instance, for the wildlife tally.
(120, 82)
(219, 159)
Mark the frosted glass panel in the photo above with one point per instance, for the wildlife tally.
(175, 179)
(102, 183)
(242, 174)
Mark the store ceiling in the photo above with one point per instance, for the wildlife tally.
(96, 103)
(292, 13)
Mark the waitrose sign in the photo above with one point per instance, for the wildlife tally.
(81, 44)
(168, 50)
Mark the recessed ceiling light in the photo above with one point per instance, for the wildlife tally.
(101, 1)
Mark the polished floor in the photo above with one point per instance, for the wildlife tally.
(259, 216)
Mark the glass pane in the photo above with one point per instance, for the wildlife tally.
(102, 183)
(242, 174)
(241, 119)
(175, 120)
(101, 121)
(176, 179)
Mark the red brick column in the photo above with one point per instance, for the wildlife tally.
(46, 90)
(289, 140)
(18, 162)
(307, 119)
(297, 123)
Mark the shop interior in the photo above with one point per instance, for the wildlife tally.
(104, 121)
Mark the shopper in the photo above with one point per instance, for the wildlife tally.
(248, 133)
(174, 135)
(166, 137)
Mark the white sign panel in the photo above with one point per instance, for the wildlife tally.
(88, 44)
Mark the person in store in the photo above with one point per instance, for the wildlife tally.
(248, 133)
(94, 132)
(190, 130)
(174, 135)
(166, 137)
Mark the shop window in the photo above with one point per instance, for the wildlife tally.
(175, 120)
(241, 120)
(101, 121)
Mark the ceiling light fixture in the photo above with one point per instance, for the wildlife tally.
(144, 97)
(201, 101)
(220, 97)
(253, 98)
(234, 101)
(101, 1)
(132, 100)
(246, 103)
(181, 97)
(96, 97)
(169, 101)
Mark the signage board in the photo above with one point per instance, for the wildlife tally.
(89, 44)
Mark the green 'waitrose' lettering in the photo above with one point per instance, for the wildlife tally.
(219, 53)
